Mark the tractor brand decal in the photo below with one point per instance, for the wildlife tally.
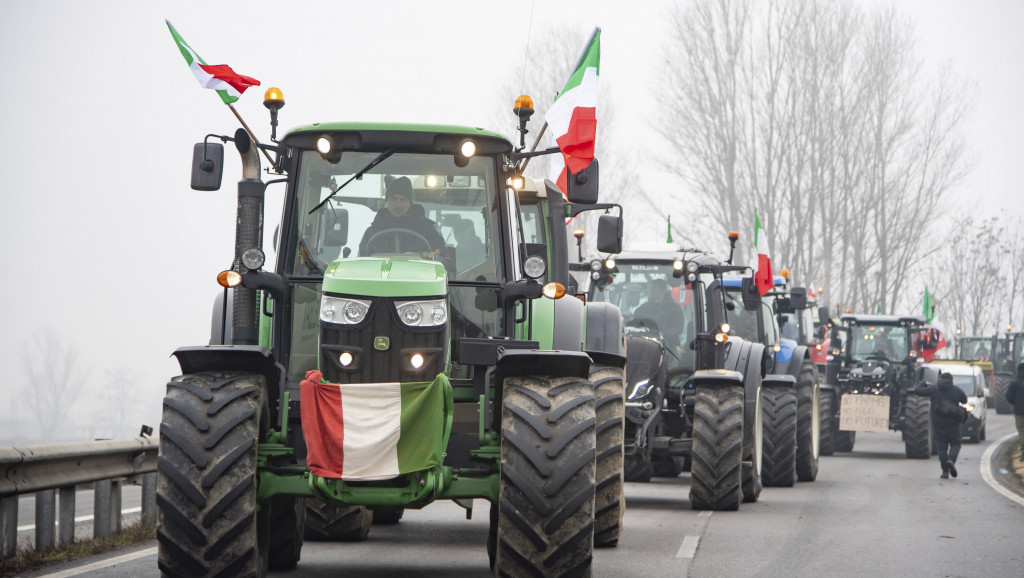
(644, 267)
(381, 343)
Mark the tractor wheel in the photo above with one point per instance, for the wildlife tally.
(637, 469)
(828, 429)
(326, 523)
(778, 464)
(287, 519)
(808, 425)
(999, 387)
(548, 477)
(716, 475)
(845, 440)
(610, 407)
(752, 484)
(206, 476)
(667, 467)
(917, 427)
(388, 517)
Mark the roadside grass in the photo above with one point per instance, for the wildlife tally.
(29, 559)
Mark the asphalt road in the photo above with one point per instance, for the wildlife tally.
(872, 512)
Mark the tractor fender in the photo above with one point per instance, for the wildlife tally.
(605, 339)
(779, 380)
(798, 355)
(786, 354)
(248, 358)
(751, 360)
(553, 363)
(568, 326)
(717, 378)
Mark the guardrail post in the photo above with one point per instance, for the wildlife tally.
(101, 510)
(8, 526)
(66, 516)
(115, 507)
(149, 499)
(46, 504)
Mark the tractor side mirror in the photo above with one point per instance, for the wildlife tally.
(798, 298)
(207, 166)
(751, 296)
(823, 314)
(582, 186)
(609, 234)
(336, 228)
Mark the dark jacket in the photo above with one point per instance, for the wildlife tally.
(943, 389)
(414, 221)
(1015, 391)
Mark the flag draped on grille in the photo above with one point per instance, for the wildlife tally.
(372, 431)
(573, 117)
(229, 84)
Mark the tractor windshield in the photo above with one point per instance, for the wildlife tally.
(885, 341)
(410, 204)
(975, 348)
(647, 293)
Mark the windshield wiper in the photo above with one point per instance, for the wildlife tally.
(376, 161)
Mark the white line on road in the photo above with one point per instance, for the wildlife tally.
(705, 513)
(102, 564)
(689, 547)
(28, 527)
(986, 470)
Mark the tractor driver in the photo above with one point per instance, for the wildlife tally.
(418, 233)
(663, 310)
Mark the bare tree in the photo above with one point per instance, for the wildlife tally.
(54, 379)
(968, 274)
(1014, 267)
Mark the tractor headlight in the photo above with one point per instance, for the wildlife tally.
(253, 258)
(534, 267)
(691, 267)
(430, 313)
(343, 310)
(640, 389)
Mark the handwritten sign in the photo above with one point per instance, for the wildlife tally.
(864, 412)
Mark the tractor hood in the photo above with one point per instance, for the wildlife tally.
(386, 277)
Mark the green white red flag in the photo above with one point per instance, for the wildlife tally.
(763, 277)
(573, 117)
(372, 431)
(228, 84)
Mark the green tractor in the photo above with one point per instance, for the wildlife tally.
(1003, 352)
(372, 368)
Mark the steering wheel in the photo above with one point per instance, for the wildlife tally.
(397, 233)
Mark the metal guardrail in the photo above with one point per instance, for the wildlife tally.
(51, 469)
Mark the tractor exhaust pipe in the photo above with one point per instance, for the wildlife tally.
(248, 233)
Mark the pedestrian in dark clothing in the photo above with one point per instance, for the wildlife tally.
(945, 415)
(1015, 395)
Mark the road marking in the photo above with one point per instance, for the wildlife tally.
(689, 547)
(705, 513)
(28, 527)
(986, 470)
(102, 564)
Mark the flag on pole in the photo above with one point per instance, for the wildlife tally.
(669, 238)
(228, 84)
(372, 431)
(763, 276)
(573, 117)
(812, 292)
(928, 308)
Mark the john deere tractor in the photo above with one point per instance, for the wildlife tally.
(370, 369)
(693, 394)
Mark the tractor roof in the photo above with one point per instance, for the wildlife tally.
(664, 253)
(894, 320)
(735, 282)
(376, 136)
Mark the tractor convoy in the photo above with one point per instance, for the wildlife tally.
(426, 332)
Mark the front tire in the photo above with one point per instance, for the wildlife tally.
(999, 387)
(716, 473)
(287, 523)
(917, 427)
(752, 484)
(845, 440)
(778, 466)
(610, 407)
(327, 523)
(828, 429)
(206, 476)
(808, 425)
(548, 477)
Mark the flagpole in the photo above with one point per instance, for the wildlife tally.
(251, 134)
(526, 161)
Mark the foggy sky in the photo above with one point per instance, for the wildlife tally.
(104, 241)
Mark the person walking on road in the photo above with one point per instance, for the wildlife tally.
(1015, 395)
(945, 415)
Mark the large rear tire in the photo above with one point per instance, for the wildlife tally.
(716, 473)
(999, 386)
(326, 523)
(828, 429)
(778, 465)
(548, 477)
(808, 424)
(610, 500)
(917, 427)
(206, 476)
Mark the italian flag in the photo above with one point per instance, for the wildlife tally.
(573, 117)
(763, 276)
(228, 84)
(372, 431)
